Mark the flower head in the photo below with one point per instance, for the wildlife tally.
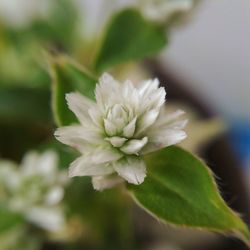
(34, 189)
(114, 133)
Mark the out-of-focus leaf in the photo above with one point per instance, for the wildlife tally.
(25, 119)
(180, 190)
(59, 29)
(19, 238)
(20, 47)
(17, 138)
(9, 220)
(20, 63)
(25, 105)
(68, 76)
(129, 37)
(105, 215)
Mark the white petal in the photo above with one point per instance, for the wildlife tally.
(40, 164)
(107, 86)
(70, 135)
(80, 105)
(164, 139)
(127, 89)
(118, 111)
(116, 141)
(153, 100)
(104, 182)
(166, 131)
(166, 118)
(148, 86)
(107, 80)
(29, 162)
(95, 116)
(54, 195)
(51, 219)
(147, 120)
(47, 163)
(110, 128)
(134, 146)
(105, 155)
(130, 94)
(132, 169)
(159, 97)
(129, 130)
(174, 115)
(170, 137)
(178, 124)
(83, 166)
(78, 137)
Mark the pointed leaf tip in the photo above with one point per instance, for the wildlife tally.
(180, 190)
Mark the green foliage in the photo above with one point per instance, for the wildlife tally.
(104, 215)
(21, 47)
(67, 76)
(25, 119)
(19, 238)
(180, 190)
(129, 37)
(9, 220)
(24, 105)
(60, 27)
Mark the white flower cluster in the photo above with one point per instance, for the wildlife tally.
(34, 189)
(162, 10)
(114, 133)
(21, 13)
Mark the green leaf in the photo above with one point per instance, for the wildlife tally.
(129, 37)
(59, 28)
(68, 76)
(62, 23)
(24, 105)
(180, 190)
(9, 220)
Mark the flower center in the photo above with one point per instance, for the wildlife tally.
(120, 126)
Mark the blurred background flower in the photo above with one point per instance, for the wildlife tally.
(161, 10)
(35, 189)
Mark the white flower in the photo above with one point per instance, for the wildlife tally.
(34, 189)
(125, 123)
(161, 10)
(20, 13)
